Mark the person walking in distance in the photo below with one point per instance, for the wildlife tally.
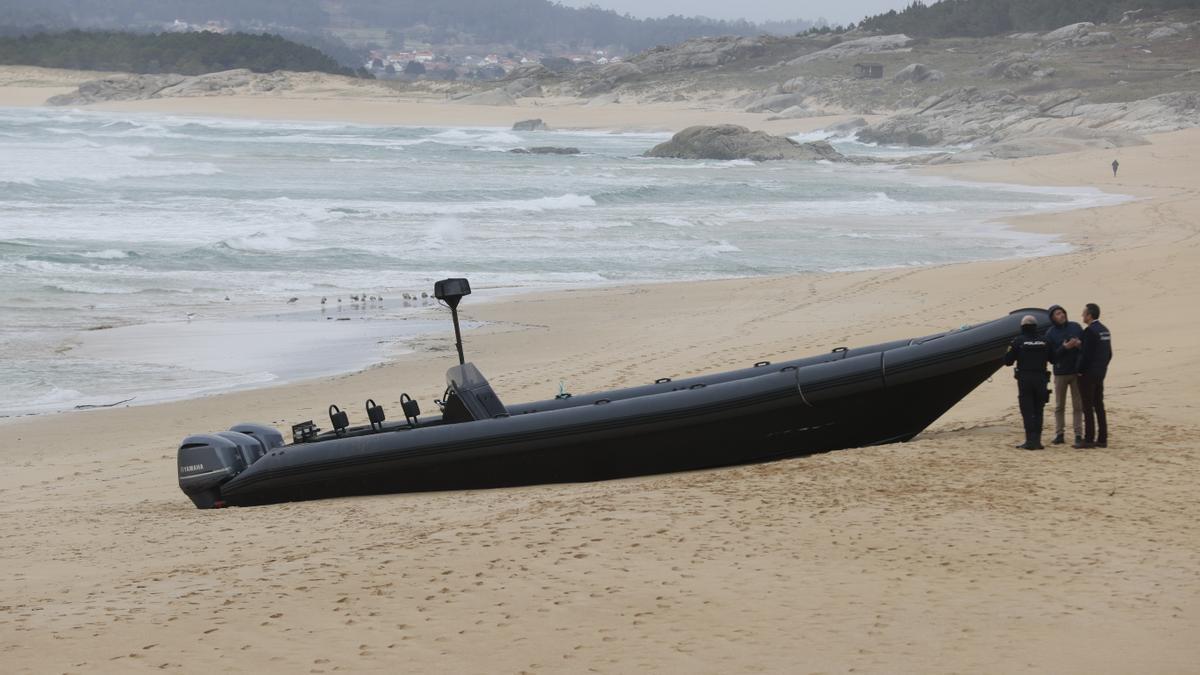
(1115, 166)
(1065, 338)
(1030, 352)
(1095, 355)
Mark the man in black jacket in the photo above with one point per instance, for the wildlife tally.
(1095, 355)
(1065, 338)
(1031, 353)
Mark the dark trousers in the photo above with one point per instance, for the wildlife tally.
(1031, 395)
(1095, 420)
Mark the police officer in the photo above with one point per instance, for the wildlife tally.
(1031, 353)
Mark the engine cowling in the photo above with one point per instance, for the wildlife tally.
(206, 461)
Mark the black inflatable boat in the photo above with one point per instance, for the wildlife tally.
(846, 398)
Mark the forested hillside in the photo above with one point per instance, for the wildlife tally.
(979, 18)
(528, 24)
(182, 53)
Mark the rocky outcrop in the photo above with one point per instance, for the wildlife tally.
(729, 141)
(1072, 31)
(1172, 30)
(117, 88)
(856, 48)
(1016, 66)
(545, 150)
(603, 79)
(777, 98)
(224, 83)
(1082, 34)
(1001, 119)
(700, 53)
(530, 125)
(917, 73)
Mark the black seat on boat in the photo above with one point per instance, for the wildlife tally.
(473, 391)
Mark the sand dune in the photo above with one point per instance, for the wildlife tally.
(952, 553)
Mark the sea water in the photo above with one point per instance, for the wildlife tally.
(154, 256)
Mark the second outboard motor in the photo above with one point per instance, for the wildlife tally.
(207, 461)
(269, 437)
(249, 446)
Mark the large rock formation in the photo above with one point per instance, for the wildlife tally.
(530, 125)
(730, 141)
(1082, 34)
(1072, 31)
(1016, 66)
(779, 97)
(224, 83)
(700, 53)
(916, 73)
(855, 48)
(603, 79)
(1172, 30)
(1000, 118)
(117, 88)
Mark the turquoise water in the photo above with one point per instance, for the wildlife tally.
(115, 220)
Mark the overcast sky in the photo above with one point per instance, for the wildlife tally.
(837, 11)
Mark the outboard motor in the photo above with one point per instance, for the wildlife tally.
(269, 437)
(207, 461)
(249, 447)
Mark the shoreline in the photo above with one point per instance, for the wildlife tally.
(280, 376)
(937, 555)
(278, 380)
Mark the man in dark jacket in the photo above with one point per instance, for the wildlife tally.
(1031, 353)
(1096, 352)
(1065, 338)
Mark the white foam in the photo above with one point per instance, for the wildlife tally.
(329, 211)
(54, 398)
(29, 163)
(106, 254)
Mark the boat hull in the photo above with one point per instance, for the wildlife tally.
(850, 399)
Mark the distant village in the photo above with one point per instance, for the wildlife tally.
(431, 65)
(449, 62)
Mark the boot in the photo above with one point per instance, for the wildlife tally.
(1083, 445)
(1058, 440)
(1031, 443)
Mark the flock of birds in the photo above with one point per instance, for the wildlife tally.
(358, 300)
(363, 298)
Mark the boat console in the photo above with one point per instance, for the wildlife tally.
(471, 398)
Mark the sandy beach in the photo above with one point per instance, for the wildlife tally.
(951, 553)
